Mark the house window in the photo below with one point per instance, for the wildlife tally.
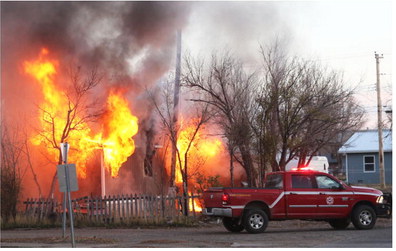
(369, 164)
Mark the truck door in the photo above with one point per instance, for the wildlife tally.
(333, 200)
(301, 197)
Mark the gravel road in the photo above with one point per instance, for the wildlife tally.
(278, 234)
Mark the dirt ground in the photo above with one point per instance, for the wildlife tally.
(278, 234)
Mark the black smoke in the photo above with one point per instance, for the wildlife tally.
(133, 42)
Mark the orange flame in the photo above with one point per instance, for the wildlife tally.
(202, 148)
(118, 129)
(194, 205)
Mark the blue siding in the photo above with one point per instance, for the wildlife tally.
(355, 168)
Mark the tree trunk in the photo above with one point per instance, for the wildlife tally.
(231, 152)
(248, 166)
(185, 186)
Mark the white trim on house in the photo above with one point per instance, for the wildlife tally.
(364, 164)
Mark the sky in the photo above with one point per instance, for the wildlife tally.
(342, 35)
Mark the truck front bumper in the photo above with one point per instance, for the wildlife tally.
(214, 211)
(383, 210)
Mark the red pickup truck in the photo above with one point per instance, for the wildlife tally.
(307, 195)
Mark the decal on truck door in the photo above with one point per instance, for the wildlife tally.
(330, 200)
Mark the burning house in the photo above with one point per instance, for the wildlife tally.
(79, 72)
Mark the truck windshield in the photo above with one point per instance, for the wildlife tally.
(274, 181)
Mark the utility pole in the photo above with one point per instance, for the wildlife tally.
(176, 108)
(102, 173)
(379, 116)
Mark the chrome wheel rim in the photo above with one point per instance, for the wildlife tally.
(365, 218)
(256, 221)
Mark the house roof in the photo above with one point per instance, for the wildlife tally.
(367, 142)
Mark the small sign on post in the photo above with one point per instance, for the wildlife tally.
(67, 177)
(61, 172)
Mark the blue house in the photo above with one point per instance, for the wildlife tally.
(360, 158)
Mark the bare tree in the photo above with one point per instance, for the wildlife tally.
(305, 108)
(228, 90)
(200, 116)
(12, 172)
(76, 116)
(26, 151)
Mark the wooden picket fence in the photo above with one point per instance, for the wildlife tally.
(117, 208)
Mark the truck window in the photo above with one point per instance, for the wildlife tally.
(274, 181)
(301, 181)
(325, 182)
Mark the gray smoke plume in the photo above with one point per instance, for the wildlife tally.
(132, 41)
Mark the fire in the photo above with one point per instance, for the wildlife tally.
(119, 128)
(119, 125)
(52, 112)
(194, 204)
(202, 148)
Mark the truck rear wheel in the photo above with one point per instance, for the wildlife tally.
(255, 221)
(364, 217)
(232, 224)
(340, 224)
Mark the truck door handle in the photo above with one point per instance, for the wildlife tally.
(322, 193)
(293, 193)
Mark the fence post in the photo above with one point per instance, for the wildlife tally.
(158, 208)
(114, 208)
(128, 209)
(118, 207)
(136, 207)
(109, 208)
(123, 202)
(96, 209)
(105, 209)
(143, 205)
(151, 207)
(27, 206)
(140, 201)
(41, 209)
(44, 202)
(89, 207)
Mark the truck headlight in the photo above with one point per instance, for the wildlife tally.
(380, 199)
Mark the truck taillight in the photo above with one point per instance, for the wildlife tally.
(225, 198)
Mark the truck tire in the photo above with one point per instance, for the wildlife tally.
(340, 224)
(232, 224)
(255, 221)
(364, 217)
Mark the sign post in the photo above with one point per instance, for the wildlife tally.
(67, 177)
(64, 151)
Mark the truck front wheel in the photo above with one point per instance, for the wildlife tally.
(232, 224)
(364, 217)
(255, 221)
